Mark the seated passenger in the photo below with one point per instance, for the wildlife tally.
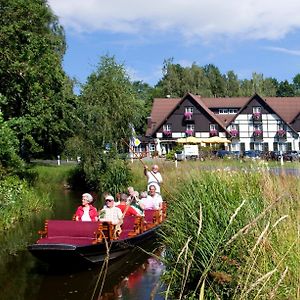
(135, 203)
(153, 200)
(125, 207)
(86, 211)
(111, 213)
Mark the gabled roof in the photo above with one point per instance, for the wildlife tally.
(161, 108)
(164, 107)
(287, 108)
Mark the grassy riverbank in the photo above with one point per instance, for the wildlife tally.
(19, 200)
(235, 234)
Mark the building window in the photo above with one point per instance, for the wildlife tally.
(167, 127)
(256, 109)
(226, 111)
(189, 129)
(213, 127)
(189, 109)
(223, 111)
(167, 131)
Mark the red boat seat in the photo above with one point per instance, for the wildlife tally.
(69, 232)
(152, 218)
(131, 226)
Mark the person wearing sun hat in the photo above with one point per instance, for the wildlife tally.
(86, 211)
(110, 213)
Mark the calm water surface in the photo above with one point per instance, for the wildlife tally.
(24, 277)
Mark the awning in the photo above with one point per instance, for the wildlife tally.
(190, 140)
(216, 140)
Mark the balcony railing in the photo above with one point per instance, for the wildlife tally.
(188, 115)
(213, 132)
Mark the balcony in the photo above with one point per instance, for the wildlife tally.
(234, 133)
(167, 133)
(189, 132)
(281, 134)
(257, 134)
(213, 132)
(256, 116)
(188, 115)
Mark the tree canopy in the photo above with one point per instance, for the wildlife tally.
(107, 111)
(37, 93)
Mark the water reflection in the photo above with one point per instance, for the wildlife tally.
(132, 277)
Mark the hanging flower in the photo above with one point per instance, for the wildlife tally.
(188, 115)
(281, 133)
(213, 132)
(256, 115)
(189, 132)
(257, 132)
(234, 132)
(167, 132)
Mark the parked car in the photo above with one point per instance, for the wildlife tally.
(253, 153)
(275, 155)
(291, 156)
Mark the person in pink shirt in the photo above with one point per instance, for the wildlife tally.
(153, 200)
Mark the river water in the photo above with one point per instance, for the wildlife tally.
(23, 277)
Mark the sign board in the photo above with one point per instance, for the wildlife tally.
(137, 142)
(191, 150)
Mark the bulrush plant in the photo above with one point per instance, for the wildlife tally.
(231, 235)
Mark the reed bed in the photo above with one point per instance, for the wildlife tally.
(231, 234)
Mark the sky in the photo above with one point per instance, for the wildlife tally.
(244, 36)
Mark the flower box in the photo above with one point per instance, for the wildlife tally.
(281, 133)
(189, 132)
(257, 133)
(256, 116)
(167, 132)
(234, 133)
(213, 132)
(188, 115)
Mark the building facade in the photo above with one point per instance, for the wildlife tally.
(255, 123)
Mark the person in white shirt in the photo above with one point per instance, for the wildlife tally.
(153, 200)
(154, 177)
(111, 213)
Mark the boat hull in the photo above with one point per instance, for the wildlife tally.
(89, 254)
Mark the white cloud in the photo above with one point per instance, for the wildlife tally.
(244, 19)
(284, 50)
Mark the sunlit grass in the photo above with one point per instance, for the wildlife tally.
(233, 231)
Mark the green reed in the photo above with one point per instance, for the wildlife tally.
(235, 234)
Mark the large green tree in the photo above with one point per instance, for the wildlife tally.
(38, 94)
(108, 110)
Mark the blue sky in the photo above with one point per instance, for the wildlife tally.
(245, 36)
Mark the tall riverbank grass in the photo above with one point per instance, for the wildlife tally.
(230, 234)
(21, 201)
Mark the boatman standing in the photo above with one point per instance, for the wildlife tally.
(154, 177)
